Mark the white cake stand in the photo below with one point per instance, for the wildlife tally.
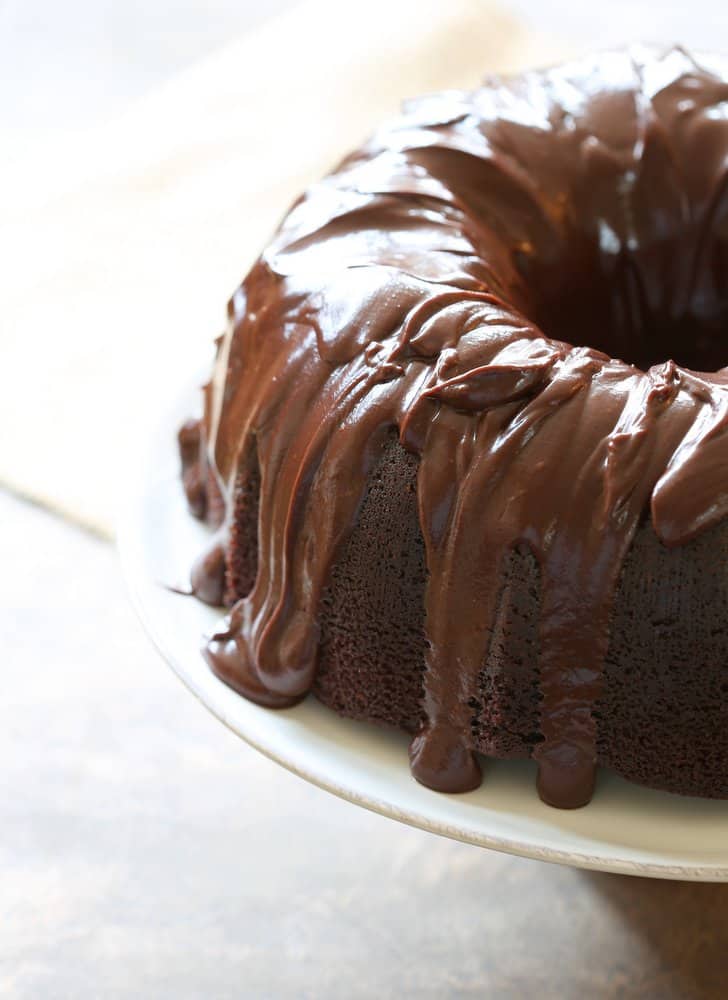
(625, 829)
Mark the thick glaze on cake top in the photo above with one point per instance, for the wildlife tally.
(469, 277)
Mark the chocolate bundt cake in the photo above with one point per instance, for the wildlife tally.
(465, 443)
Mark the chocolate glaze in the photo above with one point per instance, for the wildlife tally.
(470, 278)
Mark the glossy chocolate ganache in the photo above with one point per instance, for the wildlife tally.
(521, 294)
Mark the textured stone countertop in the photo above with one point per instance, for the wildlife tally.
(147, 852)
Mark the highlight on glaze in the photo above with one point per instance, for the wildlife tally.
(469, 278)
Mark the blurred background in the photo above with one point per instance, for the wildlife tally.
(144, 850)
(67, 66)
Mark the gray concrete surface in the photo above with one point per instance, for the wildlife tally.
(147, 852)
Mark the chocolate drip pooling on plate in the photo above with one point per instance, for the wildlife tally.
(469, 278)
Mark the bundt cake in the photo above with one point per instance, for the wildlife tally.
(465, 442)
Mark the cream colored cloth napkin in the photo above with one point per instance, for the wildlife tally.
(117, 257)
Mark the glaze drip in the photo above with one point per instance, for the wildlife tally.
(413, 289)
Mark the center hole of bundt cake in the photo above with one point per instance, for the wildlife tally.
(639, 312)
